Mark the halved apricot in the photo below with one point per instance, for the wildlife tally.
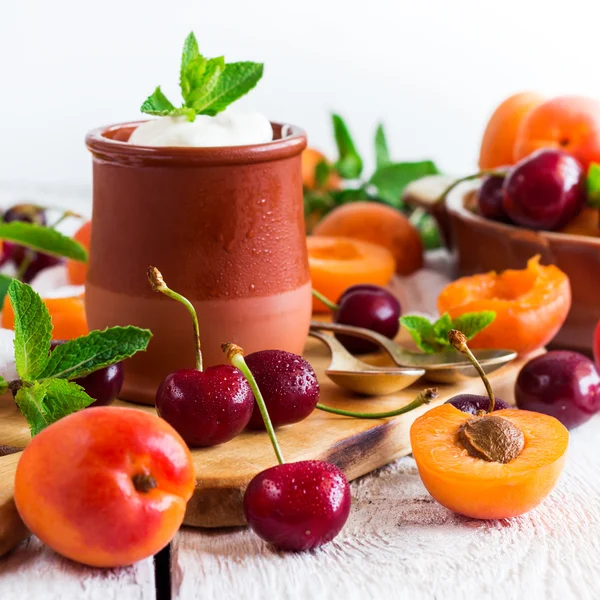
(378, 224)
(480, 489)
(68, 317)
(336, 263)
(531, 305)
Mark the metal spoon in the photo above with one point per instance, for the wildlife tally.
(442, 367)
(357, 376)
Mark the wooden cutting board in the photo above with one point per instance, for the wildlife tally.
(223, 472)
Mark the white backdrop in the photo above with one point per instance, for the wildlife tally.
(432, 70)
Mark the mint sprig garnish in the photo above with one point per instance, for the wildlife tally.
(208, 85)
(43, 391)
(431, 337)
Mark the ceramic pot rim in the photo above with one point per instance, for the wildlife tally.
(110, 150)
(455, 203)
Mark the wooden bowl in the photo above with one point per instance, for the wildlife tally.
(481, 245)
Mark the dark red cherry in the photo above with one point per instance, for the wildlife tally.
(563, 384)
(362, 287)
(490, 199)
(545, 190)
(298, 506)
(288, 384)
(39, 262)
(374, 309)
(27, 213)
(473, 404)
(103, 385)
(206, 407)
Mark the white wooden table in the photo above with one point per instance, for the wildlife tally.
(398, 542)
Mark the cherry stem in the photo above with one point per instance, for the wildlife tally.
(459, 341)
(425, 397)
(235, 355)
(158, 285)
(66, 214)
(484, 173)
(332, 306)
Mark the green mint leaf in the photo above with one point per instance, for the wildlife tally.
(33, 330)
(45, 402)
(98, 349)
(428, 229)
(5, 282)
(157, 104)
(235, 81)
(472, 323)
(3, 386)
(441, 328)
(390, 180)
(322, 172)
(349, 164)
(42, 239)
(202, 88)
(422, 332)
(593, 185)
(382, 152)
(190, 54)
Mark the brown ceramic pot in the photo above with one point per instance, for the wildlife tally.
(482, 245)
(225, 226)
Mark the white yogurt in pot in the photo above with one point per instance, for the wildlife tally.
(229, 128)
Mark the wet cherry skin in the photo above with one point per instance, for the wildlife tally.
(206, 407)
(490, 199)
(473, 404)
(370, 307)
(545, 190)
(288, 385)
(103, 385)
(560, 383)
(298, 506)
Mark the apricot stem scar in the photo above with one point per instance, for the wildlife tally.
(143, 482)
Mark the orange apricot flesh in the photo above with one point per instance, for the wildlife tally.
(78, 486)
(336, 263)
(531, 305)
(488, 490)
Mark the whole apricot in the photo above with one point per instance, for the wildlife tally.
(378, 224)
(105, 487)
(76, 270)
(311, 158)
(569, 123)
(497, 145)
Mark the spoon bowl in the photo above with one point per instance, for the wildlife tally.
(357, 376)
(442, 367)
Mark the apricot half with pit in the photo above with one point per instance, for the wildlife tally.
(467, 465)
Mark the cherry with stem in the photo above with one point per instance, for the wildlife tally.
(294, 506)
(206, 407)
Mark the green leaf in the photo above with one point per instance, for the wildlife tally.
(3, 386)
(322, 172)
(472, 323)
(157, 104)
(45, 402)
(441, 328)
(382, 153)
(391, 179)
(42, 239)
(349, 164)
(5, 282)
(235, 81)
(204, 87)
(593, 185)
(98, 349)
(33, 330)
(190, 54)
(422, 332)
